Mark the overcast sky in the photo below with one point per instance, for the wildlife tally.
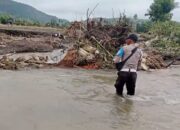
(76, 9)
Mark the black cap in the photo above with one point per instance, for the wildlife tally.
(133, 37)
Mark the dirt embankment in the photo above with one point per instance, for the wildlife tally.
(30, 48)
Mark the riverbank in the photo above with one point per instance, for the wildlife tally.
(28, 47)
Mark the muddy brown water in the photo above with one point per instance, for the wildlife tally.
(65, 99)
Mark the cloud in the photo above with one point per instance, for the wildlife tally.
(76, 9)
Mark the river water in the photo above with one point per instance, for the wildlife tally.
(65, 99)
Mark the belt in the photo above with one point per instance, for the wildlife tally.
(129, 70)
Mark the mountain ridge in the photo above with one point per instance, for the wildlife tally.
(24, 11)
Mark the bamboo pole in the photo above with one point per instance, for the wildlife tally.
(92, 37)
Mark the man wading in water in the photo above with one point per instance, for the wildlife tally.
(127, 60)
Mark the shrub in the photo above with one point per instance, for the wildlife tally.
(168, 37)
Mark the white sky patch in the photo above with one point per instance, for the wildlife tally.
(76, 9)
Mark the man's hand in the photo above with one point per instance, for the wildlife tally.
(116, 59)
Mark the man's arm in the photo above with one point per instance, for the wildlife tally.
(141, 53)
(141, 58)
(119, 56)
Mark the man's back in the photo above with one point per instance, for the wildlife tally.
(132, 62)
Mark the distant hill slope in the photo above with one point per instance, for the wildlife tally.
(24, 11)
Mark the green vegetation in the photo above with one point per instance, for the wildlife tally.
(160, 10)
(27, 22)
(159, 15)
(167, 29)
(5, 18)
(58, 23)
(168, 34)
(143, 26)
(19, 10)
(160, 25)
(26, 15)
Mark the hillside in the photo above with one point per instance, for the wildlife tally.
(19, 10)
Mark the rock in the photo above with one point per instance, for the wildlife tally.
(23, 65)
(42, 58)
(35, 58)
(9, 65)
(20, 59)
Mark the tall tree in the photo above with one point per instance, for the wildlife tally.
(135, 17)
(161, 10)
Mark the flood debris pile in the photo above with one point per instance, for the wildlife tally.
(90, 46)
(95, 47)
(152, 60)
(8, 64)
(82, 55)
(76, 30)
(110, 36)
(70, 59)
(155, 61)
(94, 44)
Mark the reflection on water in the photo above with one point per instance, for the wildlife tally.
(122, 112)
(80, 99)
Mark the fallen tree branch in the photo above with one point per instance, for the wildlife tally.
(172, 62)
(93, 10)
(92, 37)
